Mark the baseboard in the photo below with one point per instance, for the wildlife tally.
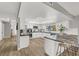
(9, 37)
(6, 37)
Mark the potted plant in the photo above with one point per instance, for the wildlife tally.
(61, 29)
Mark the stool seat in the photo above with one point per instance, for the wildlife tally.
(62, 44)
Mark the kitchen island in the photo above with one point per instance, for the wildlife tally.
(50, 41)
(50, 46)
(23, 41)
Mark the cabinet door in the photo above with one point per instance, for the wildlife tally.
(23, 42)
(35, 35)
(50, 47)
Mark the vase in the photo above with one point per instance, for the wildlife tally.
(61, 33)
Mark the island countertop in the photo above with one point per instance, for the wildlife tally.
(49, 32)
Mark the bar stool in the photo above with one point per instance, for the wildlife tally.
(73, 50)
(60, 46)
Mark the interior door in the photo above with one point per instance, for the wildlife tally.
(6, 30)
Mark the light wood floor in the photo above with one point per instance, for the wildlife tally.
(8, 48)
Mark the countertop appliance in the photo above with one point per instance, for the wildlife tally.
(29, 31)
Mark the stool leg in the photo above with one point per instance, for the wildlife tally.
(64, 51)
(76, 52)
(68, 51)
(57, 50)
(60, 51)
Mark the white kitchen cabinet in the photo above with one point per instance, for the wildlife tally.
(42, 35)
(36, 35)
(50, 47)
(23, 42)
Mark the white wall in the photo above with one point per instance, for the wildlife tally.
(2, 34)
(13, 23)
(74, 23)
(13, 26)
(0, 30)
(64, 23)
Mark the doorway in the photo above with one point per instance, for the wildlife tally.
(6, 29)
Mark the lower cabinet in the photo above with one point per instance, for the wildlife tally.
(34, 35)
(37, 35)
(23, 42)
(50, 47)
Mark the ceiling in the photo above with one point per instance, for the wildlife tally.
(36, 10)
(9, 9)
(32, 10)
(71, 7)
